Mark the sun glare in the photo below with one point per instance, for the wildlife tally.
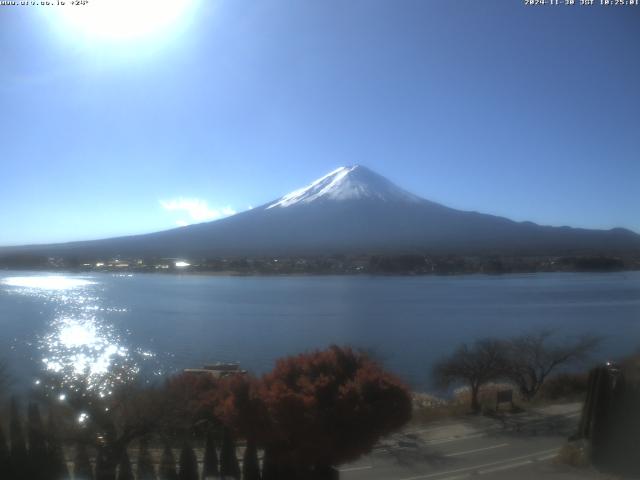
(123, 19)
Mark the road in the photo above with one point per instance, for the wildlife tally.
(516, 446)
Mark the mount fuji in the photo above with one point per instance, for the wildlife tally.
(347, 183)
(352, 210)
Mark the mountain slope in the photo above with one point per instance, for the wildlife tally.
(353, 210)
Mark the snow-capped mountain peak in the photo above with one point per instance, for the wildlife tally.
(347, 183)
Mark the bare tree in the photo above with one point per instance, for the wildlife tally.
(532, 357)
(474, 365)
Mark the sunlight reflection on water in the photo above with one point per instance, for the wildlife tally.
(48, 282)
(79, 347)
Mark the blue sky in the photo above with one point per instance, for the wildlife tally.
(527, 112)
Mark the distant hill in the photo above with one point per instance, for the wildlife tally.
(351, 210)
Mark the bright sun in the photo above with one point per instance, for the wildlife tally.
(123, 19)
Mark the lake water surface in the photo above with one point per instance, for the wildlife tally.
(100, 323)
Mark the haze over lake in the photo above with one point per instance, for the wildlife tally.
(79, 324)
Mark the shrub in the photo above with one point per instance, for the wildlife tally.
(565, 386)
(250, 465)
(38, 464)
(229, 466)
(82, 465)
(188, 464)
(210, 461)
(56, 462)
(145, 470)
(4, 455)
(124, 468)
(168, 465)
(18, 457)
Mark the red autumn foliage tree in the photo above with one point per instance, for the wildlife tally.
(193, 397)
(329, 407)
(241, 407)
(311, 412)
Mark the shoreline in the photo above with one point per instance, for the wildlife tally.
(236, 273)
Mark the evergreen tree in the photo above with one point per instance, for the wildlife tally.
(229, 467)
(38, 464)
(4, 455)
(145, 470)
(105, 468)
(124, 469)
(168, 465)
(18, 457)
(287, 472)
(250, 465)
(56, 462)
(210, 468)
(324, 472)
(188, 464)
(82, 465)
(269, 467)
